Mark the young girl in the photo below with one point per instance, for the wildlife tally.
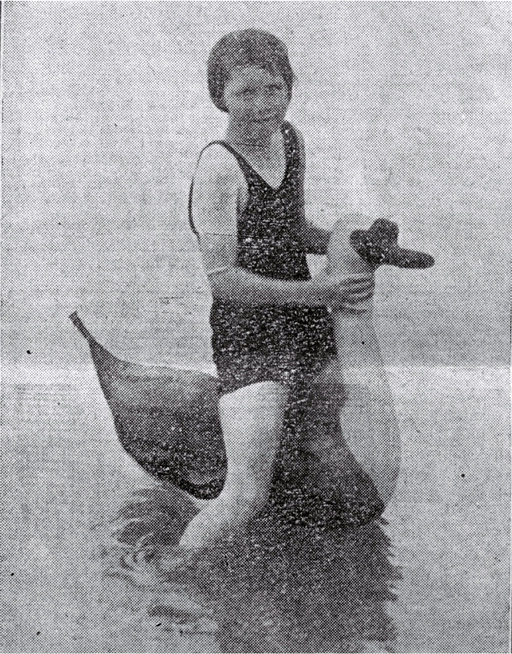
(272, 331)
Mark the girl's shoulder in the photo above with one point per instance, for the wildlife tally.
(217, 163)
(300, 140)
(291, 128)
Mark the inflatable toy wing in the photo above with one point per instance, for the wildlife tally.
(166, 419)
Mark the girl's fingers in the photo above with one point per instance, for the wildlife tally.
(354, 280)
(360, 276)
(354, 298)
(367, 288)
(361, 281)
(358, 285)
(357, 288)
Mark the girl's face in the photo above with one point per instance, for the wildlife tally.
(256, 100)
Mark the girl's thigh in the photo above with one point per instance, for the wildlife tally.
(263, 394)
(252, 420)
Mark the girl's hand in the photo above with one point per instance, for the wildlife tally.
(350, 292)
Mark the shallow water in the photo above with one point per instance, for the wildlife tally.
(434, 578)
(405, 109)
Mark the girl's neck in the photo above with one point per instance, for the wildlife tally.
(238, 137)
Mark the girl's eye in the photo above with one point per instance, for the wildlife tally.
(274, 89)
(248, 93)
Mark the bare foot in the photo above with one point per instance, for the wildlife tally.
(171, 561)
(135, 563)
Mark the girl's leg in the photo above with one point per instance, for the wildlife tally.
(252, 421)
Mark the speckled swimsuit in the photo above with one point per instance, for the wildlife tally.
(283, 343)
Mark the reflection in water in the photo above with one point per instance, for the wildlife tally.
(277, 587)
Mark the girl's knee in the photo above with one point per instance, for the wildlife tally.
(250, 481)
(260, 395)
(253, 501)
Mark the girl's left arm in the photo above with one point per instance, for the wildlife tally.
(315, 238)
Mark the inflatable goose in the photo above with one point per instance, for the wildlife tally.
(167, 419)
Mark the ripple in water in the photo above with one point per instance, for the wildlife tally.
(274, 587)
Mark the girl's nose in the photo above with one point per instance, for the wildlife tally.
(261, 102)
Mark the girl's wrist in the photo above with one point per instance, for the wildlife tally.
(315, 294)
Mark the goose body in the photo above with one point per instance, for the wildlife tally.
(167, 420)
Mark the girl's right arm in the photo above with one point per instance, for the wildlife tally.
(219, 193)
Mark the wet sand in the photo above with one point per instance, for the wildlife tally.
(434, 578)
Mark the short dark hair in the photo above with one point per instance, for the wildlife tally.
(249, 47)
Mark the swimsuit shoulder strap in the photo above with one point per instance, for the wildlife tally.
(244, 165)
(291, 142)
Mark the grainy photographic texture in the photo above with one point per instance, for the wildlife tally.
(399, 542)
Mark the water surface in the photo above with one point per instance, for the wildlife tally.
(433, 579)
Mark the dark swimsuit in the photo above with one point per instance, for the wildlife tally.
(284, 343)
